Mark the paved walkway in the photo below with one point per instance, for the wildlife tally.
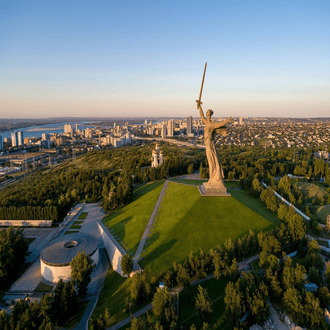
(186, 184)
(74, 213)
(139, 250)
(128, 319)
(89, 225)
(38, 234)
(276, 319)
(94, 289)
(29, 280)
(193, 176)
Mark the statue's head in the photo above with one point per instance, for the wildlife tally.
(209, 113)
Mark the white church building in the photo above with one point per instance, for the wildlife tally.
(157, 157)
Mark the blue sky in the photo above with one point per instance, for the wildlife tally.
(146, 58)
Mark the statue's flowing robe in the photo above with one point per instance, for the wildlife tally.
(215, 168)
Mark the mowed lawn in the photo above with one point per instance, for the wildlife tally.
(322, 212)
(114, 296)
(191, 182)
(187, 222)
(312, 190)
(129, 222)
(255, 204)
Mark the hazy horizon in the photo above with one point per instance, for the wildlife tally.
(146, 59)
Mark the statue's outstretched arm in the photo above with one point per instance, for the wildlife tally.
(223, 123)
(201, 113)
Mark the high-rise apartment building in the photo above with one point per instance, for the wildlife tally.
(20, 138)
(14, 139)
(17, 139)
(164, 133)
(46, 136)
(128, 138)
(88, 133)
(1, 143)
(240, 121)
(151, 130)
(67, 128)
(170, 128)
(189, 125)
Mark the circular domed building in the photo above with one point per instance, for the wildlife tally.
(55, 258)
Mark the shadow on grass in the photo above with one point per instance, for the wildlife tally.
(254, 204)
(119, 227)
(145, 189)
(155, 254)
(136, 195)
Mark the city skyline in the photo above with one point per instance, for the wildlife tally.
(265, 59)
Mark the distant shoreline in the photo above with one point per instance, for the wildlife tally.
(37, 129)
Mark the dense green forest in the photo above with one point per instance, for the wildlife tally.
(50, 193)
(28, 213)
(13, 247)
(112, 173)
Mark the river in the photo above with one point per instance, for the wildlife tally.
(36, 131)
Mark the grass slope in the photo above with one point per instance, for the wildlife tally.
(255, 204)
(312, 190)
(187, 221)
(114, 294)
(129, 222)
(191, 182)
(322, 212)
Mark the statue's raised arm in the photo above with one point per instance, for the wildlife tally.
(223, 123)
(201, 113)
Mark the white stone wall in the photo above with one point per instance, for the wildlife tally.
(54, 274)
(114, 252)
(96, 256)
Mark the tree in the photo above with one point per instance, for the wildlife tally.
(126, 264)
(292, 301)
(65, 301)
(81, 271)
(232, 271)
(327, 273)
(313, 313)
(190, 169)
(13, 247)
(313, 276)
(137, 324)
(137, 287)
(234, 303)
(256, 186)
(203, 302)
(258, 306)
(324, 296)
(163, 307)
(183, 276)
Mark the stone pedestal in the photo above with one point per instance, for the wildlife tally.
(208, 189)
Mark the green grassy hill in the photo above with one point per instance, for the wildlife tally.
(311, 190)
(187, 221)
(322, 212)
(129, 222)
